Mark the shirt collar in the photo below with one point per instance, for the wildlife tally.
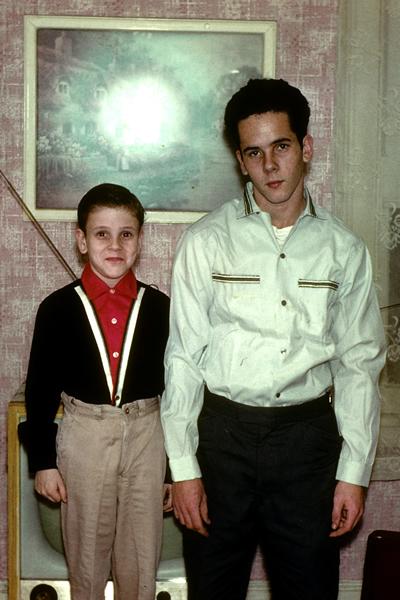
(249, 206)
(95, 287)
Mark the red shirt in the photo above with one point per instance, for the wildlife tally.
(112, 307)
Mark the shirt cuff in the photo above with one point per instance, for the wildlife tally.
(184, 468)
(356, 473)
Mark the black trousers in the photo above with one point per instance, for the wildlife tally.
(269, 476)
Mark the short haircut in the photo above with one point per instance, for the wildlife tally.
(112, 196)
(266, 95)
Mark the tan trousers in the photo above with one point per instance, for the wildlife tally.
(112, 461)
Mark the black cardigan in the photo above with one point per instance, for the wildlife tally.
(65, 357)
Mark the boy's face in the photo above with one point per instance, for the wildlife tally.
(112, 241)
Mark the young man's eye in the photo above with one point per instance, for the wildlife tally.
(101, 234)
(126, 234)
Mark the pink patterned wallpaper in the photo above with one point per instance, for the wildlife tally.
(306, 36)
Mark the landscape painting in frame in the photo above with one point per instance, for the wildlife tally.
(139, 103)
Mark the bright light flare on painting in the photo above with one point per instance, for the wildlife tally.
(147, 113)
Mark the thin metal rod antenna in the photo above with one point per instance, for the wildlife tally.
(39, 227)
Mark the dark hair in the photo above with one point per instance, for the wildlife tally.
(111, 195)
(266, 95)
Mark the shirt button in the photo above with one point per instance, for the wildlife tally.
(114, 321)
(112, 291)
(115, 354)
(283, 351)
(116, 398)
(283, 255)
(283, 302)
(278, 395)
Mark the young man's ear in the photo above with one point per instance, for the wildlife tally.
(308, 148)
(241, 163)
(81, 241)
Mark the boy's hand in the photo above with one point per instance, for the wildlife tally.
(167, 497)
(50, 484)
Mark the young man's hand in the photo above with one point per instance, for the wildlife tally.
(190, 505)
(50, 484)
(348, 507)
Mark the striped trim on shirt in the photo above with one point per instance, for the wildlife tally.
(225, 278)
(311, 283)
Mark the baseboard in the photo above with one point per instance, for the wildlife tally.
(348, 590)
(3, 590)
(259, 590)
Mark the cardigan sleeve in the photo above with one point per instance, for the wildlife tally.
(43, 390)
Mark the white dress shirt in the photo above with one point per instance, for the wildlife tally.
(265, 325)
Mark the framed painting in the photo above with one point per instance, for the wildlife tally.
(137, 102)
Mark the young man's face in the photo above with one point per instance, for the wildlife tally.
(271, 155)
(113, 242)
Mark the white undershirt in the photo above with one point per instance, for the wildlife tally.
(282, 234)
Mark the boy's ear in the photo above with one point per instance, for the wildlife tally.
(140, 242)
(81, 241)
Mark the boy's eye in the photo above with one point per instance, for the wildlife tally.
(126, 234)
(101, 233)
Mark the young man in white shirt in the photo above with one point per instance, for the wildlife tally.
(273, 306)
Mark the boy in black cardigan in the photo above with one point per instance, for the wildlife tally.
(99, 345)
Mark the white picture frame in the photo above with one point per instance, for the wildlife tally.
(138, 102)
